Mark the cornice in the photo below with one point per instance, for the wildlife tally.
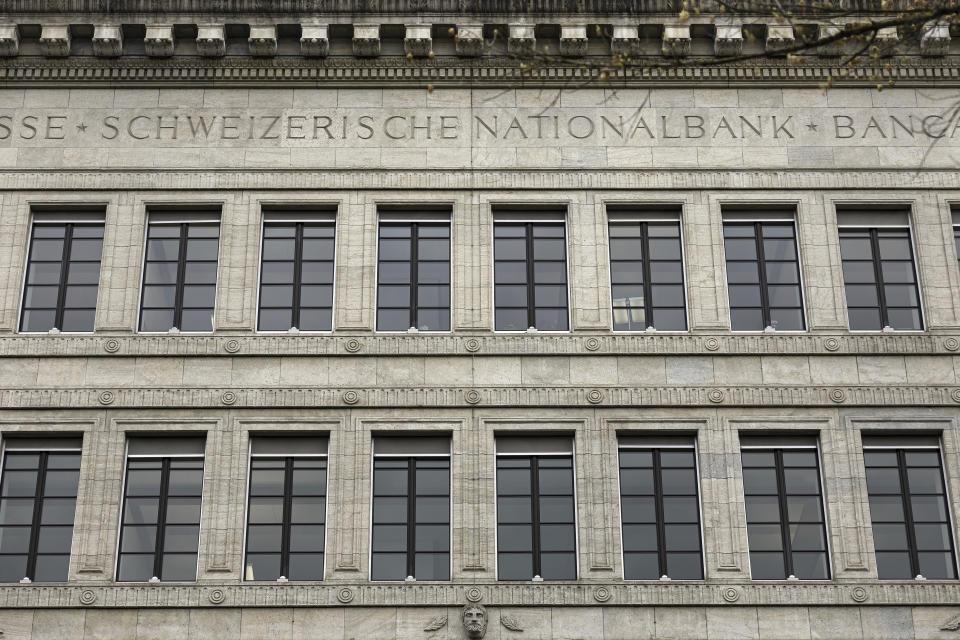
(502, 396)
(340, 594)
(226, 345)
(457, 179)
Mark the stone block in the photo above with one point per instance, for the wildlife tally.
(263, 41)
(628, 622)
(835, 623)
(935, 40)
(366, 40)
(211, 41)
(676, 40)
(417, 41)
(314, 41)
(158, 41)
(728, 40)
(9, 40)
(779, 37)
(370, 623)
(689, 370)
(625, 41)
(573, 41)
(258, 623)
(521, 40)
(680, 623)
(831, 49)
(55, 40)
(783, 623)
(889, 623)
(469, 40)
(214, 623)
(733, 622)
(110, 624)
(162, 624)
(56, 624)
(107, 41)
(576, 623)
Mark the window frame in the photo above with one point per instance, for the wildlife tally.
(411, 522)
(321, 216)
(613, 218)
(38, 497)
(158, 555)
(535, 508)
(656, 445)
(391, 217)
(165, 218)
(81, 219)
(878, 282)
(790, 218)
(530, 218)
(913, 550)
(287, 499)
(784, 522)
(956, 241)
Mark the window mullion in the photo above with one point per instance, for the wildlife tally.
(878, 274)
(658, 507)
(535, 513)
(297, 274)
(784, 516)
(64, 267)
(411, 515)
(762, 273)
(161, 517)
(908, 512)
(181, 276)
(531, 285)
(647, 288)
(414, 282)
(286, 516)
(37, 512)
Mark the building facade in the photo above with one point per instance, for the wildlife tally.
(332, 320)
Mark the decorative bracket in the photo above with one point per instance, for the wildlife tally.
(55, 40)
(366, 40)
(521, 40)
(211, 42)
(9, 40)
(263, 41)
(314, 40)
(107, 41)
(417, 41)
(158, 41)
(573, 41)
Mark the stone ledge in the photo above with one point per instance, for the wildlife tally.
(227, 344)
(594, 594)
(568, 397)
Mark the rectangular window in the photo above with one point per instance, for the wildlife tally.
(530, 275)
(878, 272)
(296, 275)
(646, 275)
(38, 497)
(180, 275)
(660, 509)
(63, 274)
(413, 276)
(286, 512)
(763, 275)
(411, 509)
(536, 523)
(160, 526)
(909, 510)
(956, 242)
(786, 529)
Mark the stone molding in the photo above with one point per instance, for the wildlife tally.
(506, 178)
(513, 396)
(227, 344)
(338, 594)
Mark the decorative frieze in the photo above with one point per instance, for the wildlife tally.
(469, 40)
(158, 41)
(55, 40)
(935, 40)
(9, 40)
(314, 40)
(366, 40)
(417, 41)
(728, 40)
(676, 40)
(107, 41)
(521, 39)
(211, 42)
(573, 41)
(779, 37)
(263, 41)
(625, 41)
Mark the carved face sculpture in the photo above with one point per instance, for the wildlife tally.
(475, 620)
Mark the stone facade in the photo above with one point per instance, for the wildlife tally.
(242, 122)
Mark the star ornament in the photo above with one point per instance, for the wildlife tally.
(81, 127)
(811, 126)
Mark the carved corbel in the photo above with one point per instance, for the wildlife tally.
(211, 41)
(314, 41)
(263, 41)
(728, 40)
(676, 40)
(366, 40)
(834, 48)
(9, 40)
(417, 40)
(107, 41)
(55, 40)
(521, 40)
(779, 37)
(158, 41)
(573, 41)
(935, 40)
(625, 41)
(469, 40)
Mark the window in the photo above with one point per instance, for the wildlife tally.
(536, 530)
(38, 497)
(411, 509)
(286, 512)
(413, 276)
(180, 275)
(660, 510)
(763, 275)
(646, 275)
(63, 271)
(296, 276)
(785, 524)
(160, 530)
(878, 272)
(956, 242)
(909, 509)
(530, 276)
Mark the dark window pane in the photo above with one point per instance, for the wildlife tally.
(684, 566)
(925, 480)
(135, 568)
(760, 481)
(740, 248)
(680, 510)
(636, 481)
(34, 320)
(306, 566)
(766, 565)
(309, 481)
(179, 567)
(549, 272)
(801, 481)
(883, 480)
(263, 566)
(897, 272)
(678, 481)
(742, 272)
(925, 508)
(13, 568)
(276, 319)
(763, 508)
(388, 566)
(183, 510)
(893, 565)
(664, 248)
(864, 319)
(277, 272)
(19, 483)
(558, 566)
(432, 566)
(433, 481)
(432, 537)
(52, 568)
(433, 509)
(640, 537)
(682, 537)
(139, 539)
(810, 565)
(14, 540)
(514, 537)
(807, 537)
(765, 537)
(904, 319)
(264, 537)
(862, 295)
(803, 509)
(641, 566)
(555, 481)
(307, 538)
(746, 319)
(265, 510)
(181, 538)
(389, 538)
(390, 481)
(937, 566)
(889, 537)
(556, 509)
(510, 272)
(17, 511)
(78, 320)
(317, 272)
(515, 566)
(156, 320)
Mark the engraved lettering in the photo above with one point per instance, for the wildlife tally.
(480, 123)
(273, 123)
(894, 123)
(515, 124)
(642, 124)
(783, 127)
(451, 128)
(227, 126)
(29, 126)
(325, 126)
(5, 130)
(414, 127)
(201, 125)
(745, 124)
(130, 125)
(111, 122)
(873, 124)
(664, 134)
(933, 132)
(723, 124)
(388, 132)
(54, 128)
(170, 127)
(587, 132)
(364, 123)
(845, 123)
(605, 122)
(295, 127)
